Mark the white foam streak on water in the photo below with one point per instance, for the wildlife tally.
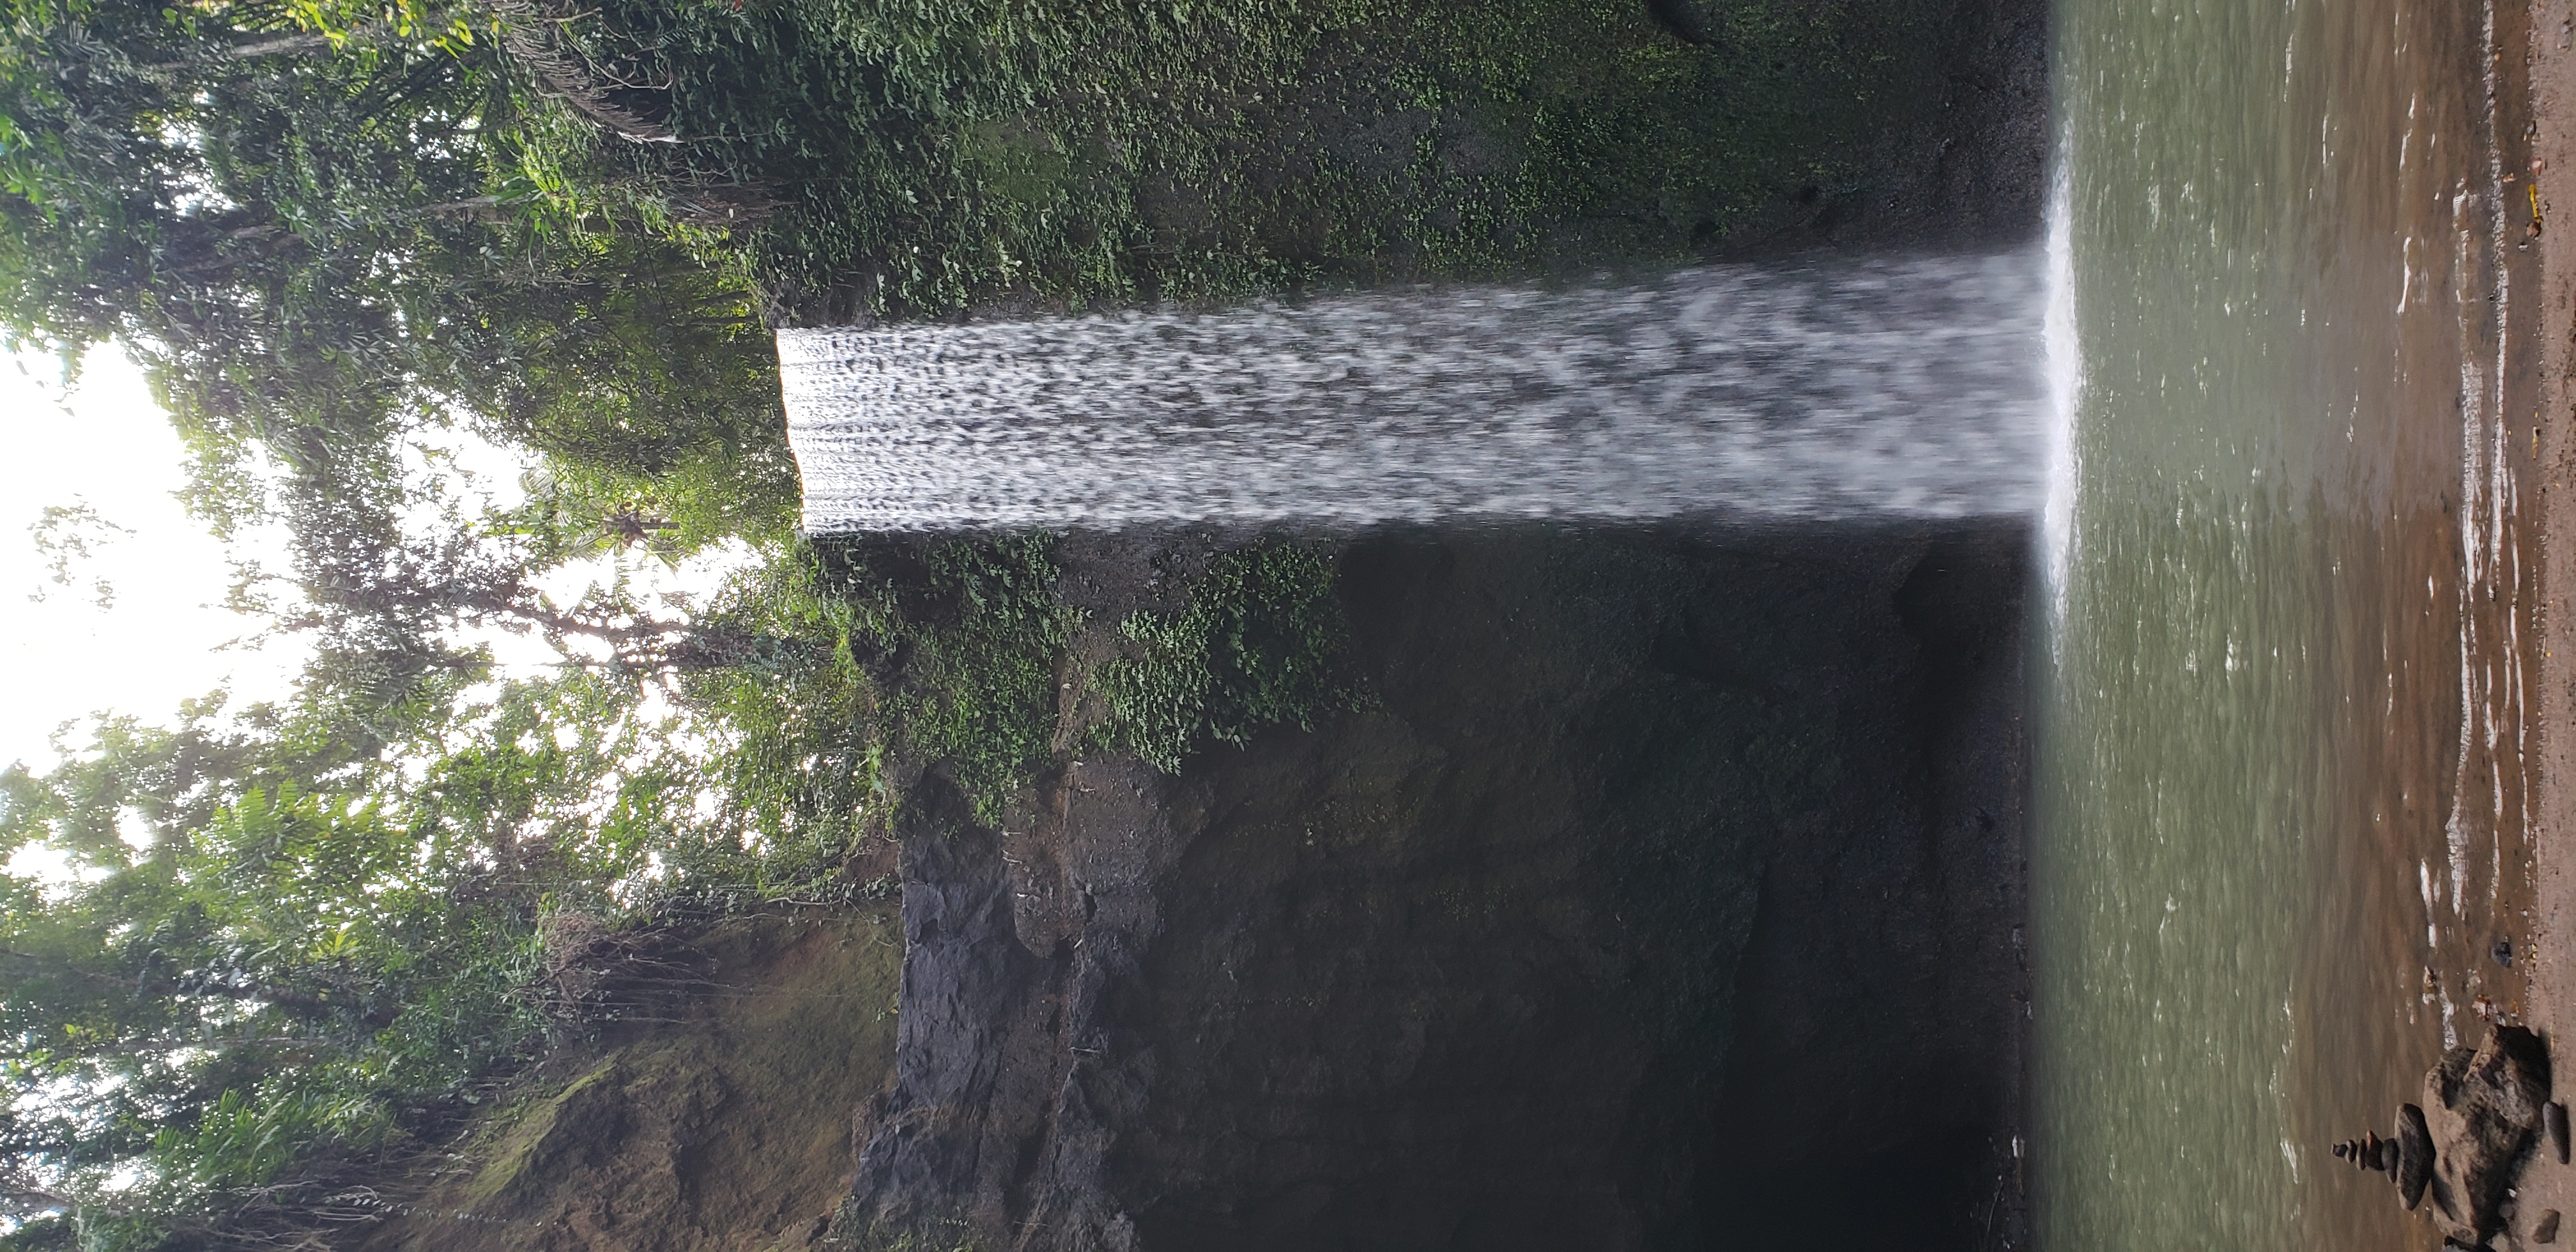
(1906, 387)
(2490, 701)
(2065, 377)
(2504, 558)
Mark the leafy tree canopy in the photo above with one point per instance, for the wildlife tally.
(280, 946)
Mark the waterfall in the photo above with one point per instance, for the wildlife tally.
(1894, 387)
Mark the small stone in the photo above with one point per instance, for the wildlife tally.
(2342, 1150)
(2546, 1229)
(2503, 952)
(2555, 1118)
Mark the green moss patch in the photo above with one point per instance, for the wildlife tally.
(1259, 644)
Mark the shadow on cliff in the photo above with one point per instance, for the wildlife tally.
(1669, 897)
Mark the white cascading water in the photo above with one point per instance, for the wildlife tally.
(1896, 387)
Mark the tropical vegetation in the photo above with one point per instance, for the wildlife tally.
(255, 953)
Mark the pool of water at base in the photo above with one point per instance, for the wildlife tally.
(2282, 726)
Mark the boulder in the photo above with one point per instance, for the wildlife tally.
(2483, 1114)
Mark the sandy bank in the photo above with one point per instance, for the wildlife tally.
(2536, 104)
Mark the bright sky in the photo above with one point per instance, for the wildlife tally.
(105, 444)
(165, 635)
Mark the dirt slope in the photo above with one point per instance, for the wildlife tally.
(723, 1127)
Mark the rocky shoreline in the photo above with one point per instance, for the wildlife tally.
(2532, 104)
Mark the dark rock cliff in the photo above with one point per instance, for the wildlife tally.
(1668, 898)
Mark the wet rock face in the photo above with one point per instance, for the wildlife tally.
(1670, 887)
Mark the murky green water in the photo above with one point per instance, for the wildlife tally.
(2279, 765)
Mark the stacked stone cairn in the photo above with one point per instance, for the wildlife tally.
(2369, 1152)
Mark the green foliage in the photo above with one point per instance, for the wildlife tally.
(978, 636)
(1260, 644)
(986, 694)
(271, 994)
(793, 743)
(932, 156)
(266, 975)
(248, 1141)
(318, 228)
(648, 382)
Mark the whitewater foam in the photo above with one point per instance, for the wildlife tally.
(1896, 387)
